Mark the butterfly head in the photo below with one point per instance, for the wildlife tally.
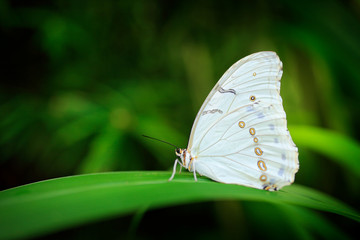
(185, 156)
(178, 152)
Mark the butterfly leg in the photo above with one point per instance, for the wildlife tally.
(194, 172)
(174, 169)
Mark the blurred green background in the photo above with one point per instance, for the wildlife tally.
(81, 81)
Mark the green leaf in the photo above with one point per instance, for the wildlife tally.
(304, 219)
(294, 221)
(344, 150)
(102, 154)
(44, 207)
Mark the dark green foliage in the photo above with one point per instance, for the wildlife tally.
(81, 81)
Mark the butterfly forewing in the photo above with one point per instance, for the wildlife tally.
(256, 75)
(240, 133)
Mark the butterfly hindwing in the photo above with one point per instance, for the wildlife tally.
(240, 134)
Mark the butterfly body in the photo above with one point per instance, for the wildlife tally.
(240, 133)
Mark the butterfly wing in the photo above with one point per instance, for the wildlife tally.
(240, 134)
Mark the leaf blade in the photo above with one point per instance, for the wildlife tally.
(55, 204)
(344, 150)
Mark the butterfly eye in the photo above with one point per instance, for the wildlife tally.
(252, 98)
(178, 151)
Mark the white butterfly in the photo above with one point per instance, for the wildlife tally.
(240, 134)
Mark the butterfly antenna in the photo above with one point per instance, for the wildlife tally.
(160, 140)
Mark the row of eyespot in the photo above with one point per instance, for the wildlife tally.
(261, 164)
